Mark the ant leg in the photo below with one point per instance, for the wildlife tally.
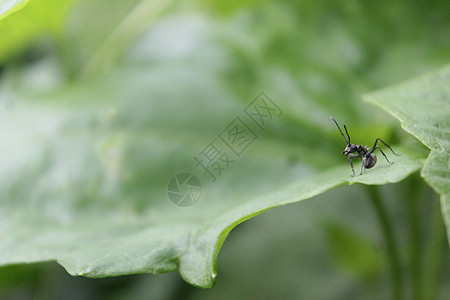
(362, 166)
(350, 156)
(375, 146)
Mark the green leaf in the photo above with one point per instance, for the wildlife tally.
(93, 44)
(87, 165)
(35, 20)
(85, 182)
(423, 108)
(7, 7)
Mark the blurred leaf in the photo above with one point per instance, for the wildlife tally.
(15, 275)
(37, 19)
(351, 251)
(224, 7)
(7, 7)
(94, 44)
(423, 108)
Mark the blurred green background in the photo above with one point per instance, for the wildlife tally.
(315, 58)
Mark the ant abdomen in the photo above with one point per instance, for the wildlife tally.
(369, 161)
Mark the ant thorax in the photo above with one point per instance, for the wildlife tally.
(362, 149)
(352, 148)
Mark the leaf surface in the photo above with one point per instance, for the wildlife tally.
(423, 108)
(85, 182)
(87, 166)
(31, 21)
(7, 7)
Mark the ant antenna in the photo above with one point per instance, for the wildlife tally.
(348, 142)
(345, 127)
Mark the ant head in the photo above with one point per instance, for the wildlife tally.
(351, 148)
(345, 127)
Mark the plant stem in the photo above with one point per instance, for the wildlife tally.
(435, 253)
(415, 258)
(388, 235)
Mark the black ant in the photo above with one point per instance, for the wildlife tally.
(369, 159)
